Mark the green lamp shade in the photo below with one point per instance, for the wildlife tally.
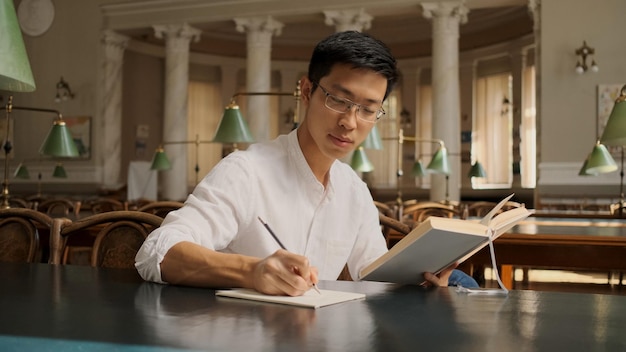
(598, 162)
(160, 161)
(615, 129)
(373, 140)
(15, 73)
(21, 172)
(477, 170)
(59, 171)
(439, 163)
(59, 142)
(418, 169)
(233, 128)
(360, 162)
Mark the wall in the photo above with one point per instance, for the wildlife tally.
(568, 100)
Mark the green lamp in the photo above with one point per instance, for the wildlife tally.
(21, 172)
(477, 170)
(160, 161)
(360, 162)
(599, 161)
(614, 133)
(59, 171)
(373, 140)
(59, 141)
(439, 163)
(418, 169)
(233, 128)
(15, 72)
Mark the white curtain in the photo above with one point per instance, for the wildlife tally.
(204, 113)
(528, 133)
(492, 131)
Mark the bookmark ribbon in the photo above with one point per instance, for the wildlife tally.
(482, 291)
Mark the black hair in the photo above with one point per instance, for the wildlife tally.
(357, 49)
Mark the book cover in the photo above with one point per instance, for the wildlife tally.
(311, 299)
(439, 242)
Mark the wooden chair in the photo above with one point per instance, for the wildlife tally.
(481, 208)
(15, 202)
(160, 208)
(422, 210)
(116, 235)
(60, 207)
(103, 205)
(19, 237)
(393, 229)
(385, 209)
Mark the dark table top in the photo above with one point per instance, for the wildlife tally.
(48, 308)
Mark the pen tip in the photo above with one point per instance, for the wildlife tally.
(261, 220)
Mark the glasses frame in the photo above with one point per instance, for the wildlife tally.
(349, 103)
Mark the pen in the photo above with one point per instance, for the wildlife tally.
(269, 229)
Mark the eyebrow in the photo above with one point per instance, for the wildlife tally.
(351, 95)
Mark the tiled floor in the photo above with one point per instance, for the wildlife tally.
(564, 281)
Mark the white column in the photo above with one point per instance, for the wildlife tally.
(446, 17)
(259, 32)
(177, 39)
(534, 7)
(111, 123)
(348, 20)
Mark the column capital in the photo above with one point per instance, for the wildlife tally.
(112, 38)
(346, 20)
(177, 31)
(267, 25)
(446, 9)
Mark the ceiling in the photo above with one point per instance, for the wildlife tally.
(402, 27)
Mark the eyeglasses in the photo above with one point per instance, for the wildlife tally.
(342, 105)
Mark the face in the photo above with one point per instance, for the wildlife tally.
(327, 134)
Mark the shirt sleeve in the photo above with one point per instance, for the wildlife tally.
(210, 217)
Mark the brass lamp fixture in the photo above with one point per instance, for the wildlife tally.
(614, 134)
(233, 129)
(16, 76)
(581, 65)
(438, 164)
(64, 92)
(161, 162)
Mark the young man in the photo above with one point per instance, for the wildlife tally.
(316, 205)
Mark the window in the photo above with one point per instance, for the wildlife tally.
(492, 131)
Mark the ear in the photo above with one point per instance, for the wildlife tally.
(306, 89)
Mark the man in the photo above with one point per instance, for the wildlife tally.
(316, 205)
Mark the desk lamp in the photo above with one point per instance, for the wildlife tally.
(614, 134)
(16, 76)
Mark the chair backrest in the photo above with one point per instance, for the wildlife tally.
(160, 208)
(103, 205)
(481, 208)
(19, 237)
(385, 209)
(422, 210)
(60, 207)
(118, 236)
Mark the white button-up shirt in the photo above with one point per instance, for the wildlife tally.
(331, 226)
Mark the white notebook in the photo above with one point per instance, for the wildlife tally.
(310, 299)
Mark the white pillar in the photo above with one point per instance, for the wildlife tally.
(446, 17)
(258, 78)
(177, 39)
(348, 20)
(534, 7)
(518, 61)
(111, 123)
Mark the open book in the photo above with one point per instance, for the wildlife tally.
(438, 242)
(310, 299)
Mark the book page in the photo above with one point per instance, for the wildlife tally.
(487, 219)
(503, 222)
(311, 299)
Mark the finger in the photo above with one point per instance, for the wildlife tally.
(433, 279)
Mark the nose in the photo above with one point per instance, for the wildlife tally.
(348, 120)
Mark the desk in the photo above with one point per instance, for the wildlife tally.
(559, 243)
(71, 308)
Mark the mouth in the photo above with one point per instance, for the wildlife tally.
(343, 142)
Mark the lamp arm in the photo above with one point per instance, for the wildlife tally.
(297, 93)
